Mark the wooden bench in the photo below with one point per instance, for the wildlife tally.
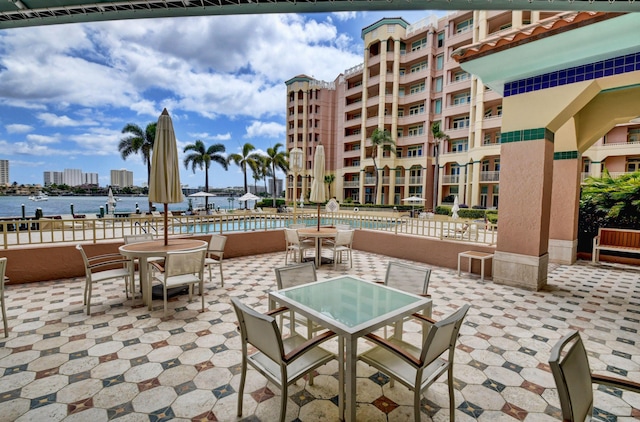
(617, 240)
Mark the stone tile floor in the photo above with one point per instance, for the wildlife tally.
(127, 364)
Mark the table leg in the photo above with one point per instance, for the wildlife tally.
(470, 261)
(458, 265)
(318, 252)
(341, 377)
(482, 269)
(350, 400)
(144, 281)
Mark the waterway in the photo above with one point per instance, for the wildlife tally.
(11, 206)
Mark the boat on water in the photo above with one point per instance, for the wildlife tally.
(39, 197)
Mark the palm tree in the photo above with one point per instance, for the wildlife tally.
(329, 179)
(276, 160)
(246, 158)
(264, 170)
(438, 137)
(380, 138)
(139, 141)
(202, 157)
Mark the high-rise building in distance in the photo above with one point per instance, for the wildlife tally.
(121, 178)
(4, 172)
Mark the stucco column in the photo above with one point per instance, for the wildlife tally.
(521, 257)
(565, 199)
(475, 184)
(462, 184)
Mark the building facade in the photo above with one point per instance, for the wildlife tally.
(53, 178)
(4, 172)
(122, 178)
(406, 83)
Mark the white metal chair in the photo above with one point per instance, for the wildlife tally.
(296, 246)
(215, 252)
(418, 368)
(297, 275)
(281, 361)
(104, 267)
(574, 380)
(411, 279)
(183, 268)
(343, 244)
(136, 238)
(3, 278)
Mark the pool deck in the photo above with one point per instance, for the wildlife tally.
(125, 363)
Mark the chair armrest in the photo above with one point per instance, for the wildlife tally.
(616, 382)
(277, 311)
(157, 266)
(380, 282)
(412, 360)
(106, 256)
(122, 261)
(308, 345)
(596, 241)
(424, 318)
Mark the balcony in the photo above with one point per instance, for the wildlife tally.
(458, 133)
(450, 179)
(351, 184)
(399, 181)
(492, 122)
(369, 180)
(489, 176)
(415, 180)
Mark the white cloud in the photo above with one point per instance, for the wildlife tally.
(54, 120)
(18, 128)
(265, 129)
(344, 16)
(210, 137)
(43, 139)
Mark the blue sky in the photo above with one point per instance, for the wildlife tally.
(66, 91)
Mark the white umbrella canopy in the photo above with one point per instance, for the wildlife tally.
(111, 201)
(249, 197)
(201, 194)
(455, 208)
(164, 184)
(317, 187)
(413, 200)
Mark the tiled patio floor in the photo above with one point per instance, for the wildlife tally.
(127, 364)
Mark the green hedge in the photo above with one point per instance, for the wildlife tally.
(469, 213)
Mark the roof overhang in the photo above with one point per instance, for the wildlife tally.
(20, 13)
(534, 50)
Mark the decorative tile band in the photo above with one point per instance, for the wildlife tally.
(527, 135)
(609, 67)
(565, 155)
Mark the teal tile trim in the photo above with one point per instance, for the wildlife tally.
(527, 135)
(384, 21)
(565, 155)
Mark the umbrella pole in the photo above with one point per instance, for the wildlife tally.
(166, 224)
(318, 216)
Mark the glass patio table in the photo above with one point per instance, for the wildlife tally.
(351, 308)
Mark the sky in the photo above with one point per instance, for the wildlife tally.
(66, 91)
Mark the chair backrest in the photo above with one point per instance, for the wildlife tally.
(259, 330)
(570, 367)
(135, 238)
(217, 242)
(344, 237)
(184, 262)
(295, 275)
(343, 226)
(85, 260)
(410, 278)
(291, 236)
(443, 336)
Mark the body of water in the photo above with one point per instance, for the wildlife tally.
(11, 206)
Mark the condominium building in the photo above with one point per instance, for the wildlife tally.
(53, 178)
(408, 81)
(4, 172)
(122, 178)
(90, 179)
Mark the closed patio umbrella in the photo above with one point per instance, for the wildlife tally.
(111, 201)
(164, 184)
(317, 187)
(455, 208)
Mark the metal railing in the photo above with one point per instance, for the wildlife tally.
(16, 233)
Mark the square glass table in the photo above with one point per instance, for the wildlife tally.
(351, 308)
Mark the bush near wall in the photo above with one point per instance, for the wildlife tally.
(471, 214)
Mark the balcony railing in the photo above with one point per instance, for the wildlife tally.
(399, 180)
(415, 180)
(369, 180)
(352, 184)
(449, 179)
(489, 176)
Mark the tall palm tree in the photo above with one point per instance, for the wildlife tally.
(380, 138)
(264, 170)
(202, 157)
(246, 158)
(329, 179)
(438, 137)
(276, 160)
(139, 141)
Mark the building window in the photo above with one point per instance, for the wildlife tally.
(416, 109)
(462, 98)
(464, 26)
(460, 122)
(401, 112)
(419, 67)
(633, 135)
(416, 88)
(459, 145)
(414, 151)
(439, 61)
(496, 164)
(416, 130)
(487, 113)
(400, 133)
(419, 45)
(440, 39)
(437, 84)
(437, 106)
(402, 71)
(460, 75)
(586, 165)
(401, 92)
(499, 110)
